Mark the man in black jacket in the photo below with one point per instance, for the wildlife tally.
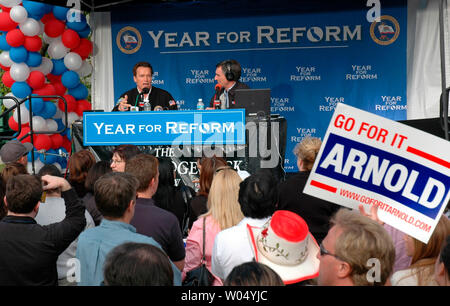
(28, 250)
(228, 73)
(159, 99)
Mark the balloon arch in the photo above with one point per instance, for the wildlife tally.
(26, 26)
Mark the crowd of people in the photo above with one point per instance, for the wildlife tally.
(124, 222)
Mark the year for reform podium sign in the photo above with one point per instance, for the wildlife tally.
(164, 127)
(370, 160)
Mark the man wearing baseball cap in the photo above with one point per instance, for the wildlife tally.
(15, 151)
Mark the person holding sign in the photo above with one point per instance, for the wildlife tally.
(135, 99)
(227, 76)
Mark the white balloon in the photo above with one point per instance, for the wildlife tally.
(30, 27)
(19, 72)
(10, 3)
(18, 13)
(42, 28)
(37, 166)
(59, 114)
(57, 50)
(73, 61)
(52, 126)
(85, 69)
(45, 67)
(39, 124)
(8, 103)
(48, 40)
(24, 114)
(5, 60)
(71, 117)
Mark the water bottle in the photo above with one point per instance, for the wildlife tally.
(200, 105)
(147, 106)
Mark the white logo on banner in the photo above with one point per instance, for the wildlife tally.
(390, 103)
(361, 72)
(252, 75)
(280, 105)
(305, 73)
(330, 103)
(155, 80)
(302, 133)
(198, 76)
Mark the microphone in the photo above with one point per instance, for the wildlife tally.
(217, 88)
(144, 91)
(158, 108)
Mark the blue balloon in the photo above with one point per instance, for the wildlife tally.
(49, 158)
(49, 110)
(77, 25)
(21, 90)
(85, 32)
(37, 105)
(70, 79)
(48, 8)
(35, 9)
(80, 92)
(3, 43)
(60, 124)
(18, 54)
(36, 155)
(34, 59)
(60, 12)
(69, 134)
(58, 67)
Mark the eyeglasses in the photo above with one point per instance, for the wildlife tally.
(324, 252)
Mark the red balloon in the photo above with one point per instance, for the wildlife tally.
(5, 68)
(33, 43)
(6, 23)
(46, 90)
(42, 142)
(5, 8)
(57, 141)
(7, 80)
(83, 105)
(25, 130)
(71, 103)
(70, 39)
(54, 78)
(59, 88)
(36, 79)
(47, 17)
(13, 125)
(15, 38)
(67, 144)
(84, 48)
(54, 28)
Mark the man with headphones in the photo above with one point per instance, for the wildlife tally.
(158, 98)
(227, 76)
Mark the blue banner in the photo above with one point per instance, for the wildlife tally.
(164, 128)
(311, 58)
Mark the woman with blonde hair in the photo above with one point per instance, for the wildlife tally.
(314, 211)
(421, 270)
(223, 212)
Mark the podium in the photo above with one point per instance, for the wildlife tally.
(264, 148)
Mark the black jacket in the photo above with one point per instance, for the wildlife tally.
(157, 96)
(316, 212)
(28, 251)
(231, 95)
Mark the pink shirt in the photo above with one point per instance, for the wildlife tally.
(194, 245)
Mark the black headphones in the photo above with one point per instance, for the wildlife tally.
(229, 75)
